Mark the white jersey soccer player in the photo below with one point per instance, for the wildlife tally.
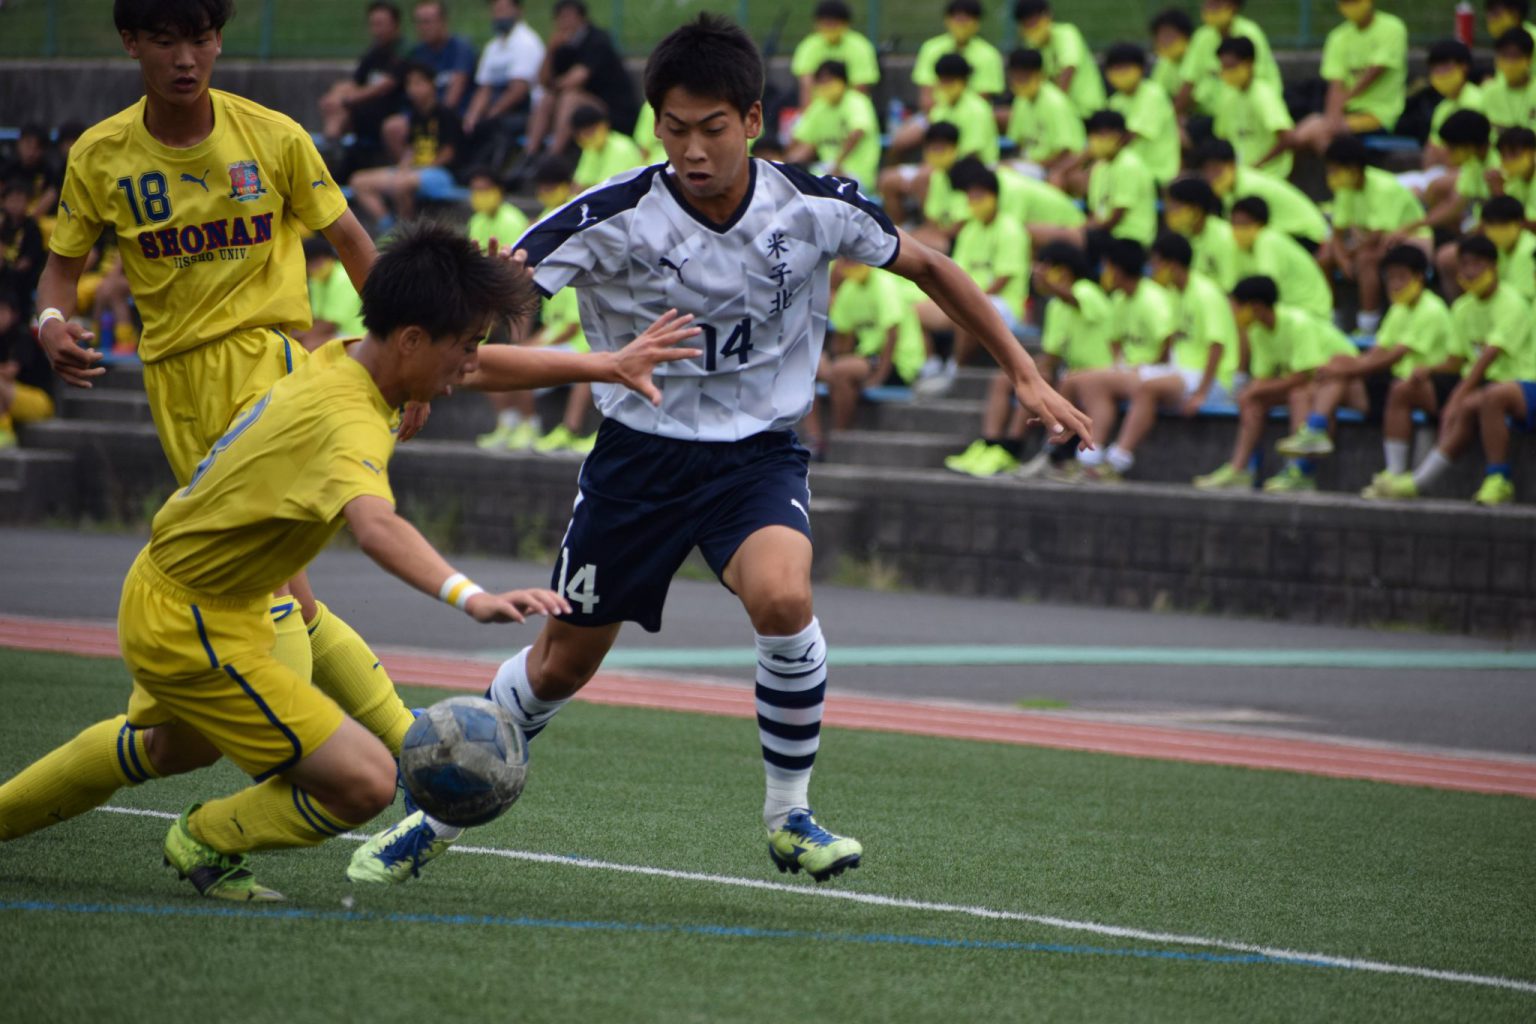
(743, 246)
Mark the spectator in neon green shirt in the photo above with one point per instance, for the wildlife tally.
(1068, 61)
(1223, 21)
(1454, 202)
(645, 136)
(1365, 62)
(1147, 110)
(954, 102)
(1505, 225)
(833, 38)
(604, 152)
(1037, 205)
(1450, 65)
(1263, 251)
(1516, 174)
(493, 219)
(335, 308)
(1122, 196)
(1290, 210)
(1171, 30)
(994, 251)
(962, 22)
(1194, 211)
(1248, 112)
(1510, 99)
(1499, 16)
(1043, 122)
(839, 130)
(927, 186)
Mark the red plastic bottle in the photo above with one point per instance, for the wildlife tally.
(1466, 22)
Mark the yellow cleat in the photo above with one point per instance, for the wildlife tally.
(801, 844)
(218, 876)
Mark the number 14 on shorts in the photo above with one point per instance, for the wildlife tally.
(581, 587)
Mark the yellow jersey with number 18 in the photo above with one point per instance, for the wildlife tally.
(208, 234)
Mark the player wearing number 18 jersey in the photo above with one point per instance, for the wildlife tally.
(744, 246)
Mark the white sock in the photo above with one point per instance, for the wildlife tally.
(509, 419)
(441, 830)
(1366, 323)
(1431, 469)
(1091, 457)
(791, 689)
(1120, 459)
(1397, 455)
(512, 691)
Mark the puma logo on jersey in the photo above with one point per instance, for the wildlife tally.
(193, 179)
(796, 502)
(377, 471)
(586, 216)
(844, 185)
(67, 211)
(319, 183)
(676, 268)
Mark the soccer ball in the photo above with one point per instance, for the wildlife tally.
(464, 761)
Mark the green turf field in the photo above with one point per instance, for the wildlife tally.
(95, 926)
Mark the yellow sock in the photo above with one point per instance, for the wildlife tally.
(292, 644)
(273, 815)
(347, 671)
(82, 774)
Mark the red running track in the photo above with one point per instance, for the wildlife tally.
(1340, 759)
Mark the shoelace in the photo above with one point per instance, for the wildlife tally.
(412, 846)
(806, 827)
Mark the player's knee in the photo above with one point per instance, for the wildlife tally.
(366, 791)
(784, 612)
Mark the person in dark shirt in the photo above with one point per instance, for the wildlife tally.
(42, 171)
(21, 242)
(26, 382)
(376, 89)
(581, 68)
(433, 152)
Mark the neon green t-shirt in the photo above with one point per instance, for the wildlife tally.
(1124, 183)
(1168, 74)
(1517, 268)
(854, 51)
(1035, 202)
(943, 206)
(991, 252)
(1205, 319)
(1523, 189)
(1507, 107)
(1144, 321)
(972, 115)
(1250, 119)
(1298, 343)
(1469, 98)
(1472, 185)
(1047, 125)
(1301, 280)
(645, 136)
(1503, 320)
(1349, 50)
(1425, 329)
(985, 61)
(332, 298)
(1149, 113)
(1290, 210)
(1068, 49)
(617, 155)
(1215, 252)
(1381, 203)
(561, 311)
(1202, 67)
(868, 310)
(827, 127)
(506, 225)
(1079, 335)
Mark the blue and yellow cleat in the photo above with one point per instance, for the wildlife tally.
(217, 876)
(801, 844)
(397, 854)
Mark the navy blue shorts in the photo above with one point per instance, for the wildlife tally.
(1528, 389)
(645, 502)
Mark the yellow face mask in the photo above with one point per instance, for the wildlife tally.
(1027, 87)
(1448, 83)
(1245, 235)
(831, 34)
(1163, 274)
(948, 91)
(1342, 179)
(1107, 279)
(1515, 70)
(857, 273)
(1518, 165)
(1103, 145)
(1224, 180)
(1245, 315)
(596, 138)
(1238, 76)
(1038, 32)
(1459, 155)
(1173, 51)
(551, 196)
(1058, 277)
(1218, 16)
(1480, 285)
(1408, 294)
(1124, 78)
(963, 30)
(1357, 11)
(485, 200)
(1503, 236)
(940, 158)
(983, 208)
(1500, 22)
(830, 92)
(1182, 218)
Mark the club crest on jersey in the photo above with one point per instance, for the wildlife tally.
(245, 181)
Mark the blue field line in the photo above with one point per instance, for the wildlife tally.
(630, 927)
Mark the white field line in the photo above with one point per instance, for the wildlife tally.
(1066, 924)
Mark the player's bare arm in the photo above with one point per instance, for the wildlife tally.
(965, 305)
(400, 549)
(63, 340)
(354, 247)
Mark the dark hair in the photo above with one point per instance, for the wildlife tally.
(1253, 208)
(1503, 210)
(1347, 151)
(1238, 47)
(482, 171)
(417, 67)
(1466, 128)
(1519, 137)
(1172, 17)
(1450, 51)
(1174, 248)
(941, 131)
(969, 173)
(1259, 289)
(585, 116)
(553, 170)
(1122, 54)
(1064, 254)
(1215, 151)
(1520, 7)
(1410, 257)
(970, 8)
(1193, 191)
(833, 69)
(1105, 120)
(1479, 246)
(430, 276)
(1517, 39)
(1024, 10)
(387, 7)
(832, 10)
(33, 130)
(952, 65)
(1127, 256)
(1026, 60)
(570, 5)
(184, 17)
(709, 57)
(14, 184)
(71, 129)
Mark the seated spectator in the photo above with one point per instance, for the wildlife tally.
(1450, 69)
(582, 68)
(1068, 61)
(1263, 251)
(375, 91)
(1039, 206)
(1417, 342)
(451, 60)
(562, 330)
(1454, 202)
(645, 136)
(1147, 110)
(494, 219)
(335, 309)
(1249, 112)
(834, 39)
(604, 152)
(37, 169)
(1510, 99)
(1290, 210)
(505, 81)
(1193, 211)
(103, 293)
(927, 186)
(1042, 121)
(1516, 174)
(1122, 197)
(1370, 207)
(1286, 347)
(1365, 62)
(435, 141)
(962, 22)
(1170, 29)
(21, 242)
(26, 382)
(954, 102)
(1490, 320)
(839, 133)
(1223, 23)
(1504, 222)
(1499, 16)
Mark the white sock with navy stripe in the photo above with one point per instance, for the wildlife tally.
(512, 691)
(791, 689)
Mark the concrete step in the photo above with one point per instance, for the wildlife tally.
(122, 375)
(36, 484)
(107, 405)
(952, 417)
(893, 448)
(120, 470)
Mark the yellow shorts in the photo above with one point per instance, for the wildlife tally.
(206, 662)
(195, 395)
(30, 404)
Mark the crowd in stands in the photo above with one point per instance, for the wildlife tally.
(1181, 229)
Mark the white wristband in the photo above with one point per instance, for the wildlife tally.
(51, 313)
(457, 590)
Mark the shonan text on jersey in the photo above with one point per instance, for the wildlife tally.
(756, 285)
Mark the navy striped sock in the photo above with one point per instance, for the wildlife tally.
(791, 689)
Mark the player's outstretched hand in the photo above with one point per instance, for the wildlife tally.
(71, 360)
(413, 419)
(1060, 417)
(635, 362)
(516, 605)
